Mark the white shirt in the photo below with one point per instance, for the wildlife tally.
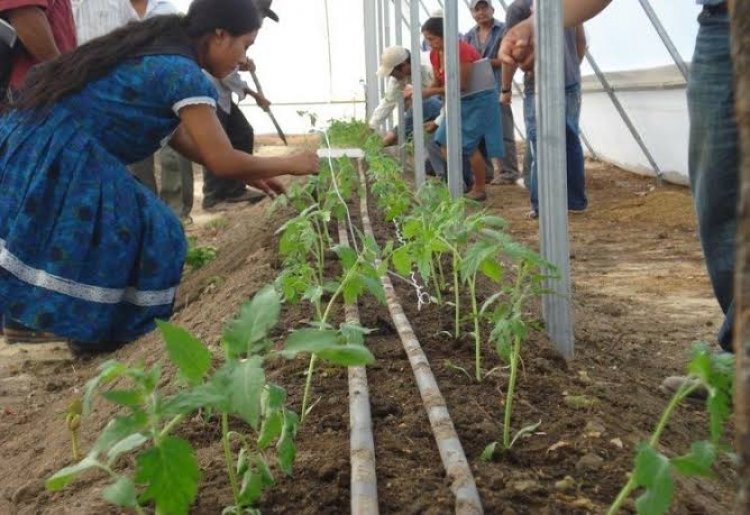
(232, 83)
(95, 18)
(394, 90)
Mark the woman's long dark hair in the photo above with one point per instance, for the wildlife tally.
(70, 73)
(434, 26)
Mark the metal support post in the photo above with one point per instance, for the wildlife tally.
(386, 43)
(398, 14)
(553, 212)
(371, 57)
(416, 99)
(452, 100)
(656, 22)
(381, 81)
(624, 115)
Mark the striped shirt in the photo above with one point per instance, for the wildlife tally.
(96, 18)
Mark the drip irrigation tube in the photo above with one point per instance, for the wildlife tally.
(451, 452)
(364, 485)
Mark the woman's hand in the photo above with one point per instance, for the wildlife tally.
(430, 127)
(271, 187)
(304, 163)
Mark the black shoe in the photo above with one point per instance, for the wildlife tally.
(84, 350)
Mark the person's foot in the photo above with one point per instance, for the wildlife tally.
(248, 195)
(672, 385)
(577, 211)
(16, 333)
(477, 196)
(503, 180)
(82, 350)
(532, 214)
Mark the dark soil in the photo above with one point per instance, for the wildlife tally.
(640, 295)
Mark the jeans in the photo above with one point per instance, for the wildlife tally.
(713, 160)
(430, 110)
(510, 159)
(241, 135)
(439, 165)
(176, 179)
(577, 200)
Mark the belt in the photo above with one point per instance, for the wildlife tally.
(716, 8)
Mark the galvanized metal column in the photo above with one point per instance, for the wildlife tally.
(552, 179)
(452, 99)
(371, 56)
(416, 99)
(381, 81)
(397, 15)
(656, 22)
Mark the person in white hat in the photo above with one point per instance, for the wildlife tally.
(395, 64)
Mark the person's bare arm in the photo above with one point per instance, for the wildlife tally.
(34, 31)
(518, 43)
(506, 84)
(581, 44)
(202, 139)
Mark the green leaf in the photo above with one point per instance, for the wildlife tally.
(653, 473)
(191, 357)
(170, 473)
(256, 318)
(273, 398)
(121, 493)
(347, 355)
(488, 452)
(698, 462)
(310, 341)
(374, 287)
(354, 334)
(208, 395)
(271, 428)
(125, 445)
(64, 477)
(118, 429)
(246, 382)
(255, 480)
(130, 398)
(285, 448)
(402, 260)
(109, 371)
(346, 255)
(492, 269)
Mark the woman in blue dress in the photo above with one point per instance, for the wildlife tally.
(86, 252)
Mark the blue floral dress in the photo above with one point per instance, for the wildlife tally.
(87, 252)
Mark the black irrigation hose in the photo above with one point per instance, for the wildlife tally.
(451, 452)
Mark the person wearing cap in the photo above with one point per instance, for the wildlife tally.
(395, 65)
(485, 36)
(218, 192)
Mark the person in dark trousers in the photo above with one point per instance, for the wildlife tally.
(218, 191)
(574, 50)
(714, 157)
(88, 253)
(486, 37)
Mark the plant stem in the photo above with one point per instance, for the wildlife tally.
(74, 445)
(511, 390)
(228, 458)
(171, 425)
(456, 292)
(436, 284)
(685, 390)
(308, 386)
(442, 275)
(477, 335)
